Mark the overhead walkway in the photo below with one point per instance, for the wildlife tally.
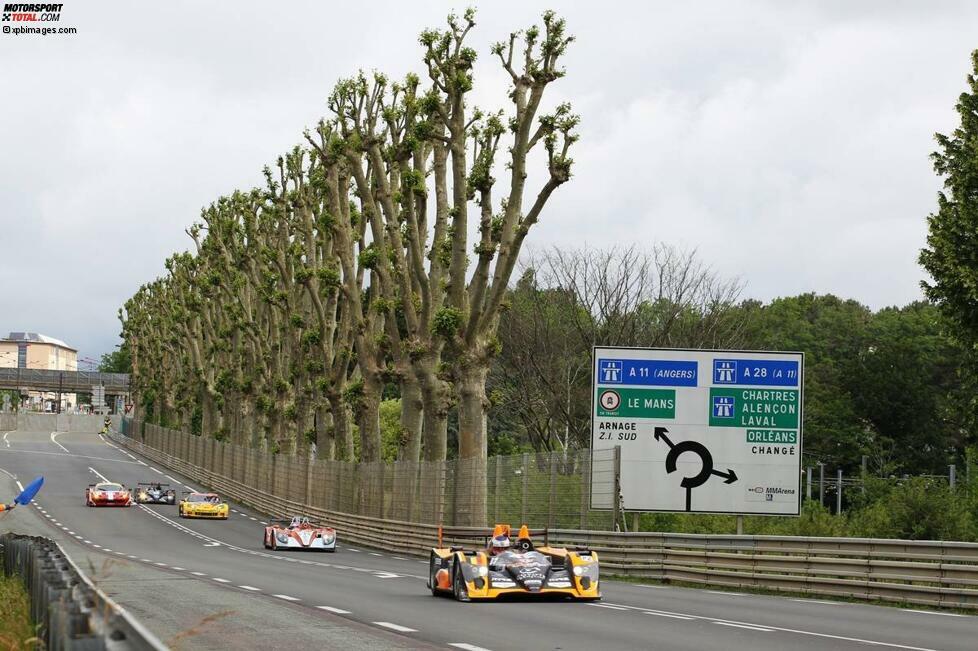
(26, 379)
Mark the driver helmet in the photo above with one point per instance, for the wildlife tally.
(499, 544)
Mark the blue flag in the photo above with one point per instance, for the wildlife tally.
(28, 493)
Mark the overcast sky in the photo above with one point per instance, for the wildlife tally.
(787, 143)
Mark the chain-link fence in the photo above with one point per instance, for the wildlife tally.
(549, 489)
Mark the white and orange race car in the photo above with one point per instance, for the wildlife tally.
(107, 493)
(299, 533)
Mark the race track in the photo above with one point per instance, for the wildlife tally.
(381, 600)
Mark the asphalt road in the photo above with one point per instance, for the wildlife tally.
(381, 600)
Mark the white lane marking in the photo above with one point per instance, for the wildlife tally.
(132, 556)
(607, 606)
(221, 580)
(212, 544)
(145, 560)
(5, 441)
(98, 474)
(54, 439)
(657, 614)
(156, 470)
(338, 611)
(170, 478)
(396, 627)
(400, 558)
(88, 542)
(467, 647)
(78, 537)
(387, 575)
(249, 587)
(286, 597)
(783, 629)
(725, 594)
(350, 549)
(375, 554)
(250, 518)
(61, 454)
(637, 585)
(930, 612)
(97, 546)
(160, 564)
(198, 574)
(71, 532)
(817, 601)
(178, 569)
(750, 628)
(19, 485)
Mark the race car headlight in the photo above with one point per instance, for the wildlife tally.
(281, 537)
(483, 570)
(142, 496)
(578, 570)
(328, 538)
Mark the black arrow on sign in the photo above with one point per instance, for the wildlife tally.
(730, 476)
(660, 435)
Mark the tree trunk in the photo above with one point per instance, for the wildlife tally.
(470, 477)
(341, 428)
(325, 433)
(371, 477)
(435, 399)
(409, 452)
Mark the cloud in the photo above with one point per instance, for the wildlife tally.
(787, 144)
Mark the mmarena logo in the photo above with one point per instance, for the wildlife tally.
(29, 13)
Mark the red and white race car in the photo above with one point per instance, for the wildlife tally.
(299, 533)
(107, 493)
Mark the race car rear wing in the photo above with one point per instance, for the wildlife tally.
(151, 483)
(455, 535)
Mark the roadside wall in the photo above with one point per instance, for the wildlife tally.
(31, 422)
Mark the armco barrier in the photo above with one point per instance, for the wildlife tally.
(929, 573)
(71, 612)
(28, 421)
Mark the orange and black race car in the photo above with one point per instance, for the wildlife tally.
(506, 567)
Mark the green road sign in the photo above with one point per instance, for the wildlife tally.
(636, 403)
(755, 408)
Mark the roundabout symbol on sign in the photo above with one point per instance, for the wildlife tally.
(610, 400)
(700, 478)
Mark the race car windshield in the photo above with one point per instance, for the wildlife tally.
(519, 558)
(209, 499)
(109, 487)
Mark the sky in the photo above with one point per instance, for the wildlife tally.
(786, 143)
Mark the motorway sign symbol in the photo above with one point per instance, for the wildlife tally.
(700, 431)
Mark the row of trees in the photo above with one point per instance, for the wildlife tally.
(350, 273)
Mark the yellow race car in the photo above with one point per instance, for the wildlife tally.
(202, 505)
(507, 568)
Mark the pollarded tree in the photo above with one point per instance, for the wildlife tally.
(470, 315)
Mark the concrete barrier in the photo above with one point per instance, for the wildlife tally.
(35, 422)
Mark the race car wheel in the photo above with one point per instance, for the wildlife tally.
(274, 546)
(459, 589)
(434, 565)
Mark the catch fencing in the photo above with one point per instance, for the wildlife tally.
(552, 489)
(70, 611)
(931, 573)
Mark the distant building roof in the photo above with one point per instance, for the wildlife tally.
(37, 338)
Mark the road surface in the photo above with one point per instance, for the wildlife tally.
(361, 598)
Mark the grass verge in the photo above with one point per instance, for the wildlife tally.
(16, 630)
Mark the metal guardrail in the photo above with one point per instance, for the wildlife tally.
(65, 381)
(72, 613)
(932, 573)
